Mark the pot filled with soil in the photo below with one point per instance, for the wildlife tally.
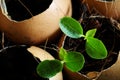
(108, 31)
(19, 64)
(34, 21)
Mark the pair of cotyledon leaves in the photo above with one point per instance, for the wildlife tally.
(94, 47)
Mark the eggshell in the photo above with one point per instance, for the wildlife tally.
(44, 55)
(110, 9)
(113, 73)
(38, 28)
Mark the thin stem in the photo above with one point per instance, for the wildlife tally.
(45, 44)
(36, 59)
(25, 7)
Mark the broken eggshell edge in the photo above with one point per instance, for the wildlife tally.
(44, 55)
(38, 28)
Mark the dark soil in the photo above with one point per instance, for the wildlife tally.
(16, 63)
(18, 12)
(106, 32)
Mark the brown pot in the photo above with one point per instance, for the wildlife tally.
(109, 9)
(39, 27)
(43, 55)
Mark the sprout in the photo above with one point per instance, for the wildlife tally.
(74, 61)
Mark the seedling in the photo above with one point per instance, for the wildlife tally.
(74, 61)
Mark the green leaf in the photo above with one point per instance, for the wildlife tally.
(71, 27)
(95, 48)
(49, 68)
(90, 33)
(74, 61)
(62, 53)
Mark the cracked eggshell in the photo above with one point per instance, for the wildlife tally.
(38, 28)
(44, 55)
(110, 9)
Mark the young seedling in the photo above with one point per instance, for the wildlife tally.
(74, 61)
(94, 47)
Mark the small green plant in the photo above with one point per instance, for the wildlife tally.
(74, 61)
